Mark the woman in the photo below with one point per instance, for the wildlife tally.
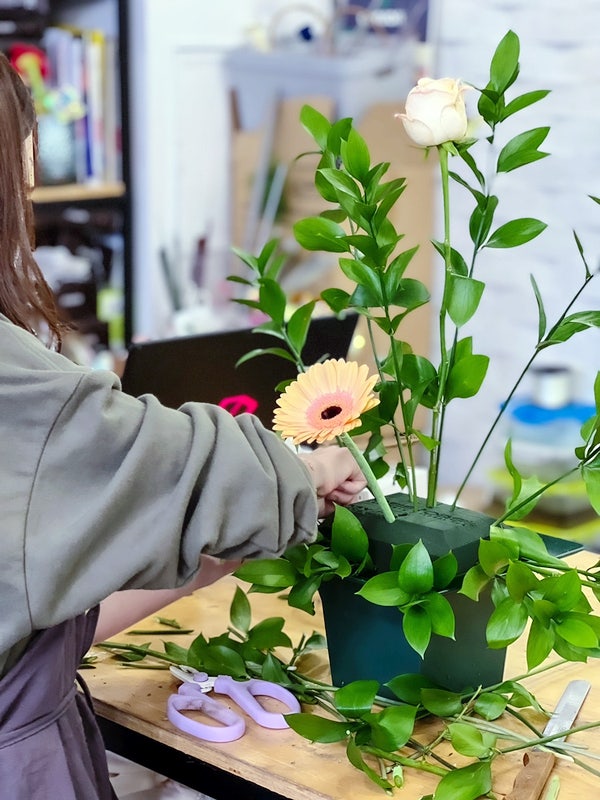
(101, 492)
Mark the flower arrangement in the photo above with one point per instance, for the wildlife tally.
(335, 400)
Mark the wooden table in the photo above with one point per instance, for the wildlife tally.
(131, 706)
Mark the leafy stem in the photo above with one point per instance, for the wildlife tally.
(347, 441)
(544, 341)
(437, 414)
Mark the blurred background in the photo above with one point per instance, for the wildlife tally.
(168, 131)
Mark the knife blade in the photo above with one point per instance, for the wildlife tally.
(538, 763)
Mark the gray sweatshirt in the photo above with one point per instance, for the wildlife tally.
(100, 491)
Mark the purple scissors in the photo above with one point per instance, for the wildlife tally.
(192, 695)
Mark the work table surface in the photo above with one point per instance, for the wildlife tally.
(282, 761)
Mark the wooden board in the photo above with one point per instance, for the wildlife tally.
(283, 762)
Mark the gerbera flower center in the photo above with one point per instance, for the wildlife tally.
(330, 412)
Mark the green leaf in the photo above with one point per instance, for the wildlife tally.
(248, 258)
(444, 570)
(506, 623)
(266, 255)
(577, 633)
(415, 575)
(416, 625)
(466, 783)
(481, 220)
(336, 299)
(274, 572)
(409, 293)
(408, 687)
(268, 633)
(520, 580)
(317, 729)
(316, 124)
(441, 703)
(458, 264)
(526, 543)
(297, 327)
(274, 351)
(526, 491)
(522, 149)
(397, 268)
(218, 660)
(540, 642)
(383, 590)
(356, 699)
(518, 695)
(441, 615)
(466, 376)
(474, 582)
(393, 727)
(348, 537)
(574, 323)
(516, 232)
(273, 671)
(522, 101)
(387, 195)
(591, 476)
(176, 652)
(302, 593)
(563, 590)
(464, 296)
(490, 705)
(318, 233)
(493, 556)
(272, 299)
(355, 155)
(477, 195)
(471, 163)
(504, 66)
(239, 612)
(342, 184)
(365, 276)
(355, 758)
(469, 741)
(541, 311)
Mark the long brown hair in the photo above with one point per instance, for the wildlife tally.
(25, 297)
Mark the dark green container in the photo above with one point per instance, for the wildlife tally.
(366, 641)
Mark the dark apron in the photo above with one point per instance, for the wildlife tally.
(50, 744)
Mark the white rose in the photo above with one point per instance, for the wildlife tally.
(435, 112)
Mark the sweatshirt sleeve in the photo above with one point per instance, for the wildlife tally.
(129, 494)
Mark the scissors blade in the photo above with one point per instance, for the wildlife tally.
(537, 763)
(187, 674)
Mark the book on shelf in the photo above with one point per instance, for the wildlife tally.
(86, 61)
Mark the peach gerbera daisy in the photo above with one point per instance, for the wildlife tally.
(325, 401)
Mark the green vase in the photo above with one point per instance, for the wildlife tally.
(366, 641)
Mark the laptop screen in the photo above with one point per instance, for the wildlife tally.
(203, 367)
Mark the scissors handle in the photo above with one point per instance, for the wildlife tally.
(244, 693)
(189, 698)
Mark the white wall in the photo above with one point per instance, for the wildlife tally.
(180, 137)
(180, 162)
(560, 51)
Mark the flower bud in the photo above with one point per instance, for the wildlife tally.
(435, 112)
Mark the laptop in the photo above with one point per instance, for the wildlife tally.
(203, 367)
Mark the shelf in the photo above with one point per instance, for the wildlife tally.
(77, 192)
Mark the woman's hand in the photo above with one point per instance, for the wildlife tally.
(336, 476)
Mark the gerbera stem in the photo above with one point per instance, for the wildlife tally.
(347, 441)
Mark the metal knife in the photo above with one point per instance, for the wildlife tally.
(538, 763)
